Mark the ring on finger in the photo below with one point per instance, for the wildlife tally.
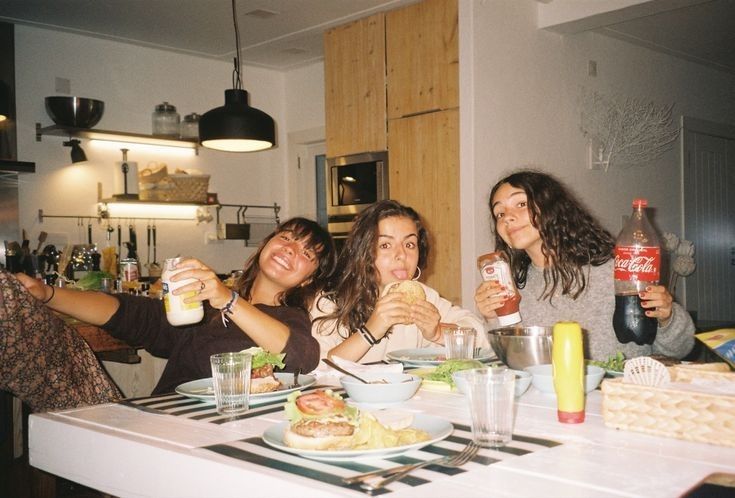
(202, 286)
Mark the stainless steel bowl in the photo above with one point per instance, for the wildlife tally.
(77, 112)
(521, 347)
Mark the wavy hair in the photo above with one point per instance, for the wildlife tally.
(571, 238)
(356, 288)
(318, 240)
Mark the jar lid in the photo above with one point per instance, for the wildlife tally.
(193, 117)
(165, 107)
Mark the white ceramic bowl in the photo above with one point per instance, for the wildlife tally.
(543, 379)
(400, 387)
(523, 380)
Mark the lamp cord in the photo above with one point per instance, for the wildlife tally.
(236, 81)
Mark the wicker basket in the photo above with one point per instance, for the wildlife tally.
(175, 188)
(670, 412)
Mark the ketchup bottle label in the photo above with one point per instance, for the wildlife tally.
(637, 263)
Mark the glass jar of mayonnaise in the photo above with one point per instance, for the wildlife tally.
(179, 312)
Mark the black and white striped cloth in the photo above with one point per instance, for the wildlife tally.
(254, 451)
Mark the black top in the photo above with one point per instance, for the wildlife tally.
(141, 321)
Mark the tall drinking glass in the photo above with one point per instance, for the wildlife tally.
(490, 392)
(231, 380)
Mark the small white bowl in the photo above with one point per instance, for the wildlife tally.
(523, 380)
(400, 387)
(543, 379)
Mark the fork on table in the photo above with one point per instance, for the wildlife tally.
(295, 382)
(396, 473)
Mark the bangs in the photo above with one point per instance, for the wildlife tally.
(303, 230)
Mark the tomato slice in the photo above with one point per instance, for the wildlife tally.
(319, 403)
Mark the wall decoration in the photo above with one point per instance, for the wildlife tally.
(624, 132)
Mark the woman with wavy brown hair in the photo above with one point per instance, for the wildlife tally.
(562, 263)
(357, 319)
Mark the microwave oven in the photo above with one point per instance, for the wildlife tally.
(354, 182)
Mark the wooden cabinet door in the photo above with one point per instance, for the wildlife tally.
(354, 85)
(423, 163)
(422, 57)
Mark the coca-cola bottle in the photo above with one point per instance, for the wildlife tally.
(637, 265)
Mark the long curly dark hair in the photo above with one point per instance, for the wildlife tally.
(318, 240)
(356, 288)
(571, 238)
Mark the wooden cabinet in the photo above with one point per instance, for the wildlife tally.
(423, 158)
(422, 57)
(354, 84)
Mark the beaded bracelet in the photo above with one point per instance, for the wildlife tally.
(227, 308)
(53, 293)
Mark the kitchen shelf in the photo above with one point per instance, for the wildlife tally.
(115, 136)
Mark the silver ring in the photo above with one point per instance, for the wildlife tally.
(201, 288)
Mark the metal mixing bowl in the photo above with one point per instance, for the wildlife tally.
(521, 347)
(77, 112)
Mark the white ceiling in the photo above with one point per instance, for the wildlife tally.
(701, 30)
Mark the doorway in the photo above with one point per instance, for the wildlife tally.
(709, 218)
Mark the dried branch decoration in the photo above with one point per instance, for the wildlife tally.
(627, 132)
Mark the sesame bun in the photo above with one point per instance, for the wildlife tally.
(411, 290)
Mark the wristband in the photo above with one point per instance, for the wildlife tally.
(368, 336)
(227, 308)
(53, 293)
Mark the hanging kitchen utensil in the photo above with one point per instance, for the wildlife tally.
(133, 244)
(119, 239)
(41, 239)
(89, 232)
(148, 246)
(155, 259)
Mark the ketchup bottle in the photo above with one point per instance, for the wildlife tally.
(493, 266)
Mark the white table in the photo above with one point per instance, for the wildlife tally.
(128, 451)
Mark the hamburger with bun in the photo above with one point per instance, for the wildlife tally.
(411, 290)
(262, 364)
(319, 420)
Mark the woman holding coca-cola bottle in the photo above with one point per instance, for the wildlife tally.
(562, 263)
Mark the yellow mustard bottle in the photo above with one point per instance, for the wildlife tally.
(567, 360)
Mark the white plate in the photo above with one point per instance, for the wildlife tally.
(202, 388)
(424, 357)
(436, 427)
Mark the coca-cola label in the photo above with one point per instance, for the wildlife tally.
(637, 263)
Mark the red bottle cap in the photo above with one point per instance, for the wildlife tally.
(640, 203)
(570, 417)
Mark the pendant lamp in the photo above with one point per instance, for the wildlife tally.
(237, 127)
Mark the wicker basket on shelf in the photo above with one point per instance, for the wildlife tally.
(672, 412)
(176, 188)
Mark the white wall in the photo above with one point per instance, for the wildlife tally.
(132, 80)
(521, 86)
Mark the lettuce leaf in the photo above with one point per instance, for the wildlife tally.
(262, 357)
(443, 373)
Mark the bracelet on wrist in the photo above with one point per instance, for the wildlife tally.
(53, 293)
(227, 309)
(368, 336)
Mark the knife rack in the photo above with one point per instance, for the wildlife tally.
(252, 222)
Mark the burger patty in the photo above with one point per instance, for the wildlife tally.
(264, 371)
(314, 428)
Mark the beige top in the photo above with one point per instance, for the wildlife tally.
(403, 336)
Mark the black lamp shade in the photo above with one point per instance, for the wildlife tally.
(237, 127)
(77, 153)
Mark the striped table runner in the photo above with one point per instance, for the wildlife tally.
(254, 451)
